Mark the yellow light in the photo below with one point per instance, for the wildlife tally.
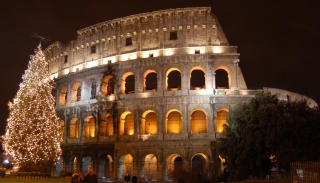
(145, 54)
(168, 52)
(92, 64)
(155, 53)
(107, 59)
(133, 56)
(66, 71)
(217, 49)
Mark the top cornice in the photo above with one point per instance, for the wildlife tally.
(132, 18)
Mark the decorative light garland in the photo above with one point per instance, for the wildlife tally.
(32, 132)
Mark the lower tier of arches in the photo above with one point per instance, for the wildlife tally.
(147, 160)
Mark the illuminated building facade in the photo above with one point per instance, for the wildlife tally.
(147, 94)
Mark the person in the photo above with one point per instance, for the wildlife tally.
(91, 177)
(77, 177)
(127, 178)
(134, 179)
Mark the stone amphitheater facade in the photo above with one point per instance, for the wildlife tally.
(145, 94)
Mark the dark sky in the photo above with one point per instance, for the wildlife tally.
(278, 41)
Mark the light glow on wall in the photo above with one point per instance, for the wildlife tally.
(168, 52)
(55, 75)
(133, 56)
(92, 63)
(106, 60)
(217, 49)
(77, 68)
(66, 71)
(145, 54)
(193, 50)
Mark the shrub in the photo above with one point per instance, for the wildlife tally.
(2, 172)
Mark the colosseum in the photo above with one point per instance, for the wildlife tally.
(147, 94)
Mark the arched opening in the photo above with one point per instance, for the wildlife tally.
(126, 126)
(222, 79)
(197, 80)
(174, 122)
(129, 85)
(199, 122)
(86, 163)
(174, 163)
(105, 167)
(107, 86)
(106, 125)
(198, 164)
(150, 81)
(89, 126)
(63, 95)
(149, 123)
(173, 80)
(76, 92)
(59, 166)
(61, 130)
(149, 167)
(72, 164)
(74, 128)
(125, 166)
(93, 90)
(222, 116)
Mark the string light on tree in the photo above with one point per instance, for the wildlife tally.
(32, 133)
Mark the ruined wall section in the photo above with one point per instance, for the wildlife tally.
(173, 28)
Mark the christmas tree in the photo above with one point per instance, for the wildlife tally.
(32, 133)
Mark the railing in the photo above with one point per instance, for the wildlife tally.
(305, 172)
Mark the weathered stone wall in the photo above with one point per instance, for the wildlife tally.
(137, 45)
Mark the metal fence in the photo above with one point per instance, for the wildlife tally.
(305, 172)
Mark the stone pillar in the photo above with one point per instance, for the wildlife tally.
(186, 161)
(137, 164)
(115, 165)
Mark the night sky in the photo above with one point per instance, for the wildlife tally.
(278, 41)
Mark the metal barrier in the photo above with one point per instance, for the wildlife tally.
(305, 172)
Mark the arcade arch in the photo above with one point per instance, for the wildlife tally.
(125, 166)
(63, 95)
(149, 123)
(173, 163)
(199, 122)
(173, 79)
(105, 166)
(59, 166)
(222, 116)
(61, 129)
(76, 92)
(197, 78)
(74, 128)
(149, 167)
(173, 122)
(126, 126)
(72, 164)
(222, 78)
(86, 163)
(127, 83)
(89, 126)
(106, 125)
(107, 86)
(150, 81)
(199, 163)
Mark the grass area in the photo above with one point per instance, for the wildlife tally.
(15, 179)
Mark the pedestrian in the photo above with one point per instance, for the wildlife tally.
(91, 177)
(77, 177)
(134, 179)
(127, 178)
